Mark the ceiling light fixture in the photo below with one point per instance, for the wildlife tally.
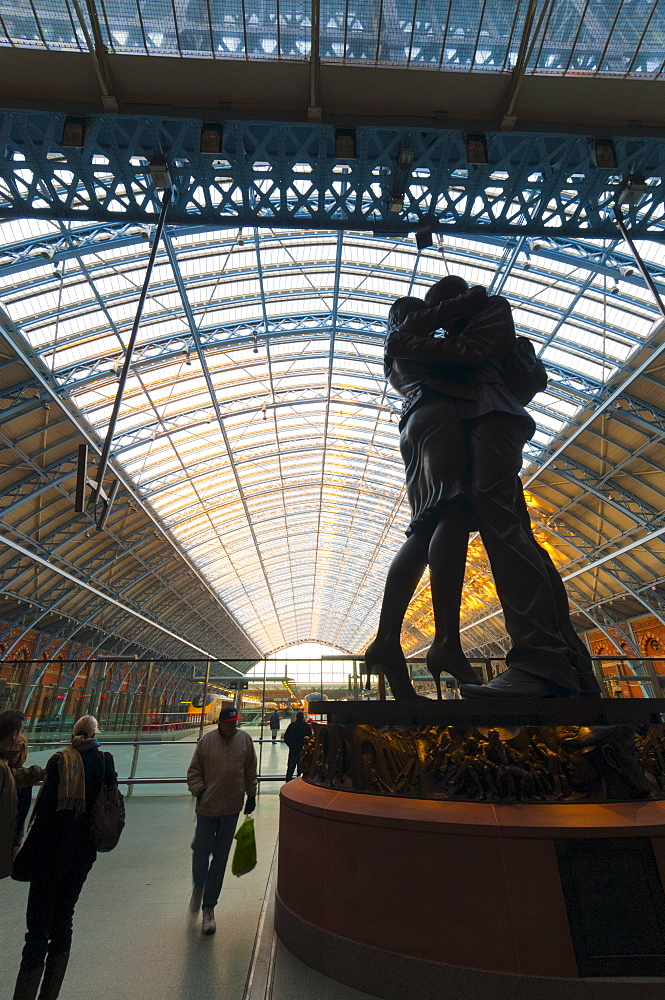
(401, 179)
(212, 137)
(345, 144)
(73, 132)
(476, 149)
(604, 154)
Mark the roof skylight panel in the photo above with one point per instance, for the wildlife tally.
(61, 357)
(18, 230)
(575, 362)
(531, 320)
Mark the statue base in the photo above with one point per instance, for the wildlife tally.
(419, 898)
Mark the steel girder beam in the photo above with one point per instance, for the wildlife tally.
(533, 183)
(32, 557)
(126, 440)
(151, 351)
(607, 490)
(66, 633)
(566, 382)
(266, 345)
(642, 593)
(328, 395)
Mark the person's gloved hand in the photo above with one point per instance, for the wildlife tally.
(250, 804)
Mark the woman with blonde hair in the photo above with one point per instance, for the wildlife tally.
(57, 856)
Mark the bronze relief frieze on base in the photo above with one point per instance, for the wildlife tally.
(484, 764)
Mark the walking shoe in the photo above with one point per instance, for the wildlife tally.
(208, 926)
(195, 899)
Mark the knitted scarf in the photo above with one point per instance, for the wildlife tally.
(71, 789)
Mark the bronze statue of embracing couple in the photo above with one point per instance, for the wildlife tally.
(462, 431)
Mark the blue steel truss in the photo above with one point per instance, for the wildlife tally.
(287, 175)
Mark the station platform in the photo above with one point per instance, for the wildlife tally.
(133, 934)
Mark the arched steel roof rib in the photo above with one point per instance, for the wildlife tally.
(307, 420)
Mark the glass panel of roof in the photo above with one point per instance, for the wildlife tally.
(612, 37)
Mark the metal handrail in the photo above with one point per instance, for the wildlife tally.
(133, 743)
(131, 780)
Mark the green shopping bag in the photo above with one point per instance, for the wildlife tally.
(244, 856)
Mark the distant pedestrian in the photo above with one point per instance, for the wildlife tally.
(57, 857)
(222, 772)
(13, 779)
(274, 725)
(294, 737)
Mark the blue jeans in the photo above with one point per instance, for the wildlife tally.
(214, 836)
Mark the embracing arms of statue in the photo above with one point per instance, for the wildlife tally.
(488, 335)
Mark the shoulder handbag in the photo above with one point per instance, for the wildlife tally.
(28, 862)
(108, 815)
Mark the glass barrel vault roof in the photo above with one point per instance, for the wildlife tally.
(256, 419)
(596, 37)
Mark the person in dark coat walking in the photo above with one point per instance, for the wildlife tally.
(294, 737)
(274, 725)
(57, 856)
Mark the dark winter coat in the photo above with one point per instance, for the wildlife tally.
(296, 734)
(62, 839)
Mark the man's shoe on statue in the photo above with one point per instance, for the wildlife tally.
(515, 683)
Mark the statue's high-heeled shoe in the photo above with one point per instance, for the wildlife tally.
(457, 665)
(391, 663)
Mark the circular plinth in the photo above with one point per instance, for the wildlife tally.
(405, 898)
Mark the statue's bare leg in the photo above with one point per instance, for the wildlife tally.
(447, 563)
(385, 652)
